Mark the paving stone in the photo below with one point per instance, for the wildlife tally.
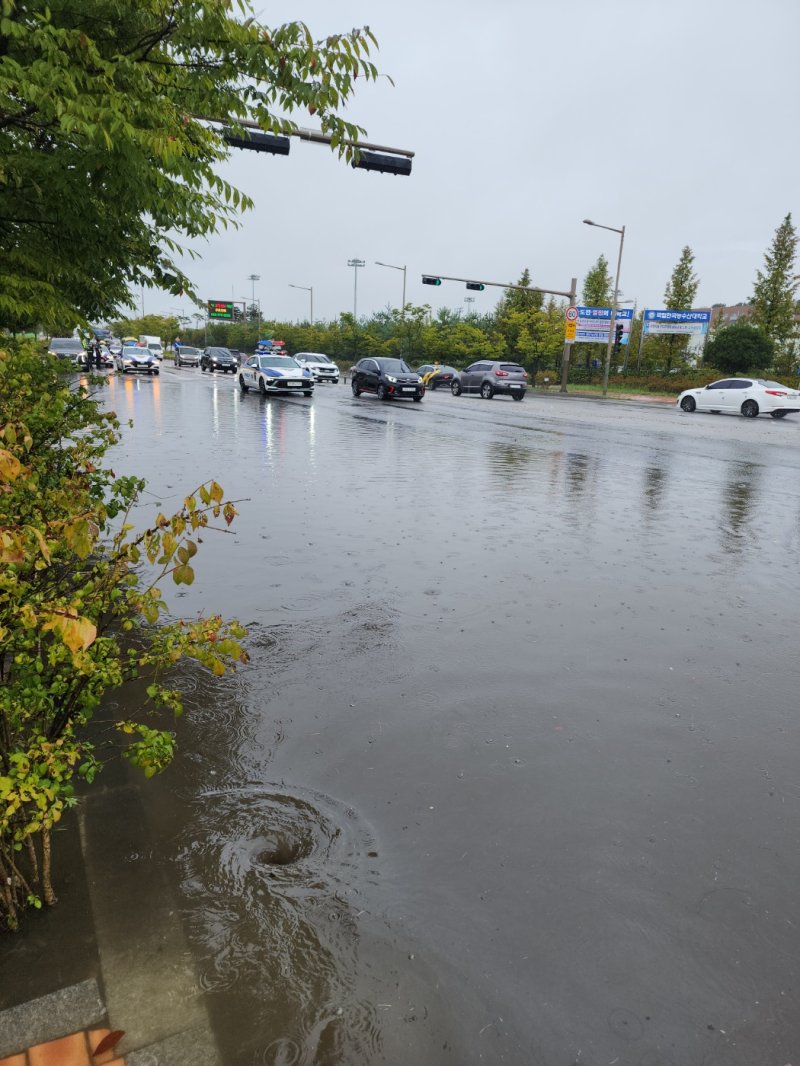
(50, 1016)
(194, 1047)
(14, 1060)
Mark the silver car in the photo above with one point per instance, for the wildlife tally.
(489, 378)
(321, 366)
(187, 356)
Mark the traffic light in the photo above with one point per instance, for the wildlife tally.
(430, 281)
(386, 164)
(618, 336)
(259, 142)
(478, 286)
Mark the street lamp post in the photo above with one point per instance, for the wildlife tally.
(309, 289)
(393, 267)
(613, 323)
(355, 264)
(469, 301)
(253, 278)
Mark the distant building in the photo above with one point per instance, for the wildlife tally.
(727, 314)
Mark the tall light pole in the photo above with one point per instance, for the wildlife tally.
(308, 289)
(393, 267)
(355, 264)
(469, 301)
(253, 278)
(613, 323)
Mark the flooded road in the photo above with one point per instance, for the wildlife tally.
(512, 775)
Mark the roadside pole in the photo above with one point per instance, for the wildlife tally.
(573, 295)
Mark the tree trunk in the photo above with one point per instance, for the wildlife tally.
(47, 887)
(32, 859)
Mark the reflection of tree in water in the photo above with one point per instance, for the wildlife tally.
(738, 499)
(506, 457)
(655, 483)
(579, 469)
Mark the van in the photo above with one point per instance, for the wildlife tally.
(154, 344)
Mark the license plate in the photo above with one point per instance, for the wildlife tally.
(294, 384)
(516, 386)
(409, 390)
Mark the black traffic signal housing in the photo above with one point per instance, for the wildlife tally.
(255, 141)
(478, 286)
(618, 336)
(385, 164)
(427, 280)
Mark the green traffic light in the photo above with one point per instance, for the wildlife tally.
(426, 280)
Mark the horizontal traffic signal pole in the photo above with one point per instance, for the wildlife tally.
(378, 157)
(437, 279)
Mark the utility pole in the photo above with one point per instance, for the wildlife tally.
(393, 267)
(310, 290)
(573, 296)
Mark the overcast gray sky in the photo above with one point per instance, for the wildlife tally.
(676, 118)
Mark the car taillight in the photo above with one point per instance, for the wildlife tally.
(501, 373)
(775, 392)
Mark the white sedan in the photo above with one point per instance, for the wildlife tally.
(742, 396)
(275, 373)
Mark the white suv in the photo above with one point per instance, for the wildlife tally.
(323, 368)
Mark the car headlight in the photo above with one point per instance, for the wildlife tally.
(390, 378)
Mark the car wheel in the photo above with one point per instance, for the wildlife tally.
(750, 409)
(487, 392)
(262, 388)
(433, 386)
(518, 395)
(356, 388)
(381, 392)
(418, 399)
(242, 385)
(307, 392)
(688, 404)
(779, 414)
(455, 388)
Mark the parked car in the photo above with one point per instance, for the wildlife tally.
(136, 360)
(187, 356)
(323, 368)
(742, 396)
(218, 359)
(435, 374)
(389, 379)
(275, 373)
(490, 378)
(68, 348)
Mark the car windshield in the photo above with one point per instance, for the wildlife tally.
(277, 360)
(66, 344)
(511, 368)
(186, 350)
(394, 366)
(220, 352)
(312, 357)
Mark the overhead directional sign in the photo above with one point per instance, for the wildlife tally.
(221, 310)
(594, 324)
(687, 323)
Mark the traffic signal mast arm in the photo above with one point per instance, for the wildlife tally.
(502, 285)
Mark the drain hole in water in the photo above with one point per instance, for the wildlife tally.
(280, 851)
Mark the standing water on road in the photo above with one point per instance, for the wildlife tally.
(511, 774)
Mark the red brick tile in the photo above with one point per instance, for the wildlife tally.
(68, 1051)
(15, 1060)
(117, 1062)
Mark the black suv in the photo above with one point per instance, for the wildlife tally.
(490, 378)
(389, 379)
(218, 359)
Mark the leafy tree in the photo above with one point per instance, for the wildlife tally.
(111, 135)
(150, 326)
(740, 349)
(679, 295)
(597, 285)
(517, 318)
(81, 613)
(775, 293)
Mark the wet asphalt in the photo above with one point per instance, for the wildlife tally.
(512, 775)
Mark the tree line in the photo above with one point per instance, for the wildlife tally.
(526, 327)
